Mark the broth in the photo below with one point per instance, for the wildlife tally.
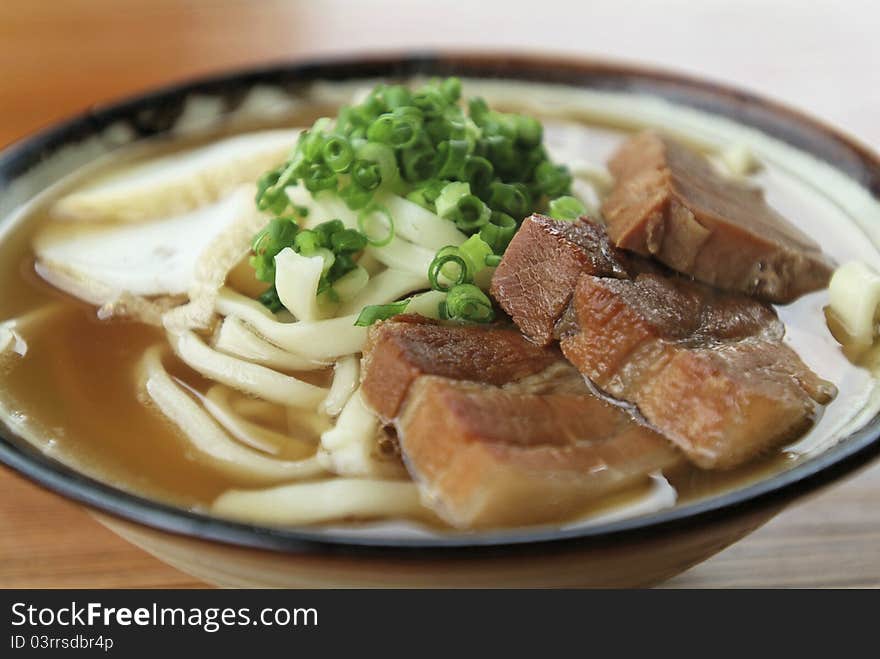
(77, 395)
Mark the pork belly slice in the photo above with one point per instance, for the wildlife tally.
(535, 279)
(398, 352)
(497, 431)
(484, 456)
(669, 202)
(707, 369)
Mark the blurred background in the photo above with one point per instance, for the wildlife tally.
(57, 58)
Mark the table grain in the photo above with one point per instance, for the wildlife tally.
(59, 58)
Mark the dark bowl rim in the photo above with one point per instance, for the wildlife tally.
(856, 451)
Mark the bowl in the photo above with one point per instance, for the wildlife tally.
(625, 552)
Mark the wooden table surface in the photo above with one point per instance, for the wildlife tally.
(58, 58)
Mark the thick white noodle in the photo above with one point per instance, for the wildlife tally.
(179, 182)
(296, 280)
(252, 379)
(322, 501)
(402, 255)
(321, 340)
(237, 339)
(216, 401)
(350, 285)
(387, 286)
(419, 225)
(411, 222)
(208, 438)
(854, 293)
(350, 447)
(346, 374)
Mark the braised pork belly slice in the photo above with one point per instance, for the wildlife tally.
(706, 368)
(398, 352)
(669, 202)
(497, 431)
(541, 266)
(484, 456)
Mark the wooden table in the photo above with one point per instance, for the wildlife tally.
(57, 58)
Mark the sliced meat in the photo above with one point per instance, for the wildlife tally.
(668, 201)
(497, 431)
(541, 266)
(486, 457)
(706, 368)
(398, 353)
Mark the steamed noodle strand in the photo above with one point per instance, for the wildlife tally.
(322, 501)
(321, 340)
(237, 339)
(345, 381)
(351, 448)
(216, 401)
(387, 286)
(206, 436)
(412, 222)
(250, 378)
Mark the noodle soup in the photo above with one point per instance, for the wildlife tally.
(139, 349)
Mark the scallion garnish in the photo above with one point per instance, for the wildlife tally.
(566, 208)
(468, 303)
(376, 312)
(482, 169)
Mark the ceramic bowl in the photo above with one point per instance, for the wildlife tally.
(638, 551)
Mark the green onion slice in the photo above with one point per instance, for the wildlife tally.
(371, 211)
(376, 312)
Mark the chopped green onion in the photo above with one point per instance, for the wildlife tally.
(419, 163)
(381, 129)
(470, 213)
(338, 153)
(466, 302)
(567, 208)
(446, 256)
(307, 243)
(355, 197)
(453, 155)
(475, 250)
(480, 168)
(366, 174)
(269, 299)
(499, 231)
(552, 180)
(478, 172)
(383, 156)
(348, 240)
(447, 200)
(319, 177)
(396, 96)
(529, 131)
(364, 216)
(509, 199)
(376, 312)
